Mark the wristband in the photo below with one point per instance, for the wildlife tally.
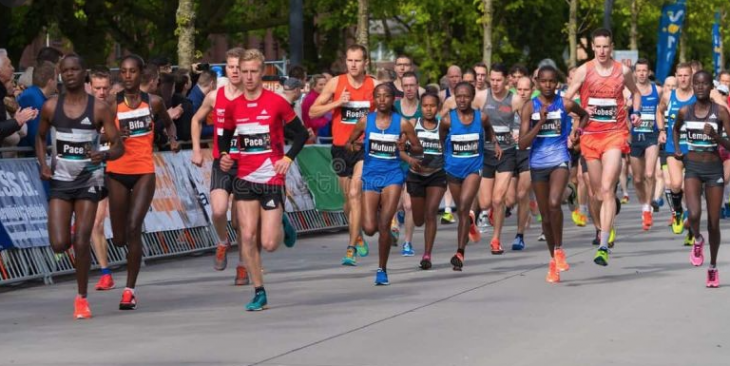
(636, 113)
(663, 129)
(287, 158)
(580, 131)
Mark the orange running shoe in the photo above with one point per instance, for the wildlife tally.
(496, 247)
(646, 220)
(81, 308)
(106, 282)
(241, 276)
(129, 301)
(560, 261)
(474, 234)
(553, 275)
(221, 256)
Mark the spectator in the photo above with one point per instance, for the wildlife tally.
(182, 123)
(164, 66)
(25, 80)
(292, 92)
(100, 83)
(150, 79)
(10, 126)
(49, 54)
(11, 106)
(206, 83)
(314, 124)
(44, 86)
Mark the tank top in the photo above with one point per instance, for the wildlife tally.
(648, 113)
(671, 115)
(550, 146)
(399, 108)
(137, 158)
(605, 94)
(72, 139)
(502, 117)
(345, 117)
(219, 110)
(697, 140)
(464, 150)
(381, 146)
(433, 154)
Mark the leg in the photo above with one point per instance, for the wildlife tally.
(694, 204)
(370, 207)
(713, 197)
(542, 192)
(485, 193)
(638, 166)
(98, 239)
(523, 200)
(119, 202)
(611, 162)
(558, 182)
(219, 208)
(355, 203)
(651, 157)
(409, 224)
(433, 199)
(59, 224)
(248, 225)
(501, 183)
(141, 198)
(388, 201)
(466, 194)
(85, 212)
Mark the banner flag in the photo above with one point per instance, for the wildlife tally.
(670, 29)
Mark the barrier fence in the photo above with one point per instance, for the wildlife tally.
(178, 222)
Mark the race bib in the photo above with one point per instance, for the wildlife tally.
(382, 146)
(465, 146)
(253, 138)
(503, 134)
(431, 142)
(234, 146)
(74, 146)
(697, 140)
(552, 126)
(647, 123)
(138, 121)
(352, 111)
(606, 110)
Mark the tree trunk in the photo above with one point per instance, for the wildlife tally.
(185, 33)
(363, 22)
(683, 44)
(573, 34)
(634, 32)
(723, 15)
(487, 24)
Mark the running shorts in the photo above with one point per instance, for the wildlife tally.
(270, 196)
(708, 172)
(594, 145)
(417, 184)
(506, 163)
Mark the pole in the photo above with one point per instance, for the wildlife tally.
(296, 31)
(607, 10)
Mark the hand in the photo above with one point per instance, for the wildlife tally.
(635, 120)
(662, 137)
(124, 132)
(354, 146)
(709, 131)
(226, 162)
(497, 151)
(46, 173)
(174, 145)
(175, 112)
(543, 113)
(415, 164)
(282, 166)
(97, 157)
(575, 137)
(590, 109)
(401, 143)
(26, 114)
(345, 97)
(197, 158)
(678, 154)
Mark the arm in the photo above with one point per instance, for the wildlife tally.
(449, 104)
(444, 128)
(105, 120)
(196, 126)
(487, 126)
(527, 134)
(294, 129)
(583, 116)
(324, 102)
(724, 117)
(660, 122)
(677, 129)
(351, 144)
(577, 82)
(410, 135)
(8, 128)
(40, 139)
(158, 108)
(635, 94)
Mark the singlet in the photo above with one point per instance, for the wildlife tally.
(550, 146)
(415, 115)
(219, 110)
(671, 115)
(259, 124)
(433, 154)
(137, 158)
(464, 150)
(697, 140)
(345, 117)
(72, 139)
(502, 117)
(381, 147)
(649, 105)
(605, 94)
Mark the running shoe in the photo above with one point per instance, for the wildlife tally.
(457, 261)
(407, 250)
(447, 218)
(579, 219)
(290, 232)
(258, 302)
(541, 237)
(394, 231)
(362, 246)
(611, 238)
(482, 222)
(553, 275)
(713, 278)
(697, 255)
(221, 256)
(474, 234)
(129, 301)
(689, 239)
(496, 247)
(507, 212)
(726, 210)
(349, 259)
(646, 220)
(601, 257)
(572, 197)
(597, 239)
(625, 199)
(677, 224)
(241, 276)
(583, 219)
(560, 261)
(660, 202)
(518, 244)
(426, 262)
(106, 282)
(654, 206)
(381, 278)
(81, 308)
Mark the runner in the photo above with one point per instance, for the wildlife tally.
(604, 137)
(462, 134)
(480, 69)
(261, 119)
(516, 72)
(644, 142)
(403, 65)
(546, 125)
(453, 75)
(426, 181)
(76, 174)
(221, 183)
(470, 76)
(703, 167)
(131, 178)
(500, 107)
(350, 96)
(385, 134)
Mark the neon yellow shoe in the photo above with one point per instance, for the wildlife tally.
(576, 217)
(677, 224)
(611, 238)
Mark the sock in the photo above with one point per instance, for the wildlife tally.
(81, 296)
(520, 236)
(712, 266)
(106, 271)
(604, 238)
(447, 209)
(677, 202)
(698, 239)
(646, 208)
(583, 209)
(460, 251)
(382, 269)
(259, 290)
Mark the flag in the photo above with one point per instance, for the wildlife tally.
(670, 28)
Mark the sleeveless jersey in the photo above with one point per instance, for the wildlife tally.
(671, 115)
(697, 140)
(464, 150)
(502, 117)
(399, 108)
(433, 155)
(381, 146)
(605, 94)
(550, 146)
(137, 158)
(219, 110)
(72, 139)
(345, 117)
(260, 127)
(649, 105)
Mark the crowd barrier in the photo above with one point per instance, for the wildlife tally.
(178, 222)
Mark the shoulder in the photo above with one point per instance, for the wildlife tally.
(50, 104)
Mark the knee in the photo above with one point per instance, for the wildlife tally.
(695, 216)
(553, 205)
(369, 228)
(607, 193)
(269, 244)
(497, 201)
(638, 179)
(649, 175)
(463, 210)
(353, 195)
(713, 227)
(219, 213)
(60, 245)
(420, 220)
(247, 236)
(407, 206)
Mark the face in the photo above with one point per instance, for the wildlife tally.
(100, 88)
(356, 63)
(670, 84)
(514, 78)
(383, 99)
(470, 78)
(602, 48)
(454, 77)
(130, 74)
(684, 78)
(547, 81)
(410, 87)
(7, 70)
(233, 71)
(498, 81)
(402, 65)
(251, 74)
(642, 73)
(429, 107)
(524, 88)
(463, 97)
(702, 85)
(72, 74)
(319, 86)
(293, 94)
(166, 69)
(725, 79)
(481, 81)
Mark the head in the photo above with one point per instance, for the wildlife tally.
(430, 105)
(150, 79)
(498, 78)
(432, 88)
(702, 85)
(252, 69)
(384, 95)
(403, 64)
(470, 76)
(49, 54)
(317, 83)
(45, 77)
(73, 72)
(327, 75)
(602, 44)
(547, 80)
(516, 72)
(100, 81)
(641, 71)
(163, 64)
(182, 81)
(383, 76)
(480, 70)
(683, 73)
(207, 81)
(464, 95)
(724, 78)
(356, 60)
(524, 87)
(233, 65)
(166, 88)
(130, 71)
(670, 83)
(696, 66)
(298, 72)
(453, 76)
(292, 89)
(6, 67)
(409, 82)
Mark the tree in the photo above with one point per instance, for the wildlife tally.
(634, 32)
(487, 24)
(573, 34)
(186, 33)
(363, 22)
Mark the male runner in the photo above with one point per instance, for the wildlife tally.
(403, 65)
(482, 73)
(453, 75)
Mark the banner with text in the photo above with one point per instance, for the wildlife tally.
(23, 218)
(670, 29)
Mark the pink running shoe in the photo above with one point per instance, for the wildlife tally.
(713, 278)
(697, 257)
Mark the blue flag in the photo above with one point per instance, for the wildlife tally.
(670, 28)
(716, 39)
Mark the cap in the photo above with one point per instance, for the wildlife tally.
(292, 83)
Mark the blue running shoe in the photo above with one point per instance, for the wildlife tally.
(362, 246)
(519, 243)
(349, 259)
(290, 233)
(660, 201)
(401, 216)
(407, 250)
(258, 303)
(381, 278)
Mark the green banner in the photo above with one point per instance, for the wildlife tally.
(315, 164)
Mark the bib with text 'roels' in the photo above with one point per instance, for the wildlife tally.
(354, 110)
(606, 109)
(382, 145)
(465, 145)
(552, 126)
(138, 121)
(253, 138)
